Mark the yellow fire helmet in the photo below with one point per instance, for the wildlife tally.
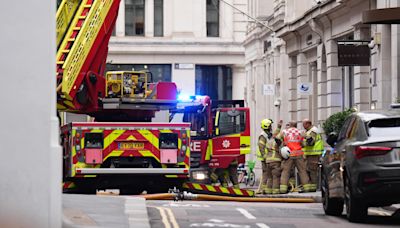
(266, 123)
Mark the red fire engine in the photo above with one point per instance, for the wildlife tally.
(122, 149)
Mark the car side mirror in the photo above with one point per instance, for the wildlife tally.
(332, 139)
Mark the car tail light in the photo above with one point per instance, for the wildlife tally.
(365, 151)
(369, 180)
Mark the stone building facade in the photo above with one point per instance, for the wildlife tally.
(194, 43)
(301, 48)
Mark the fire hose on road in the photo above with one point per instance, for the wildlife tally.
(204, 197)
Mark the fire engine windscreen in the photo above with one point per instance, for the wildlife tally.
(232, 122)
(193, 115)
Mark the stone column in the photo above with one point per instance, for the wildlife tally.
(284, 75)
(149, 18)
(322, 81)
(396, 62)
(260, 110)
(361, 75)
(384, 73)
(334, 76)
(302, 76)
(120, 23)
(238, 82)
(293, 88)
(313, 99)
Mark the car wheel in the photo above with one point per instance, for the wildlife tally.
(356, 210)
(332, 206)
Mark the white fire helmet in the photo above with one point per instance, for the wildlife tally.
(285, 152)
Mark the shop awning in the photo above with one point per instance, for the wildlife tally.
(382, 16)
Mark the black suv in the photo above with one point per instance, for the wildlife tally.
(363, 168)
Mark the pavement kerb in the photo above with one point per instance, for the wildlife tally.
(139, 210)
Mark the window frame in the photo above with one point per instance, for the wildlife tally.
(133, 20)
(209, 10)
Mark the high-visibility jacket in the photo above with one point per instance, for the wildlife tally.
(261, 148)
(272, 153)
(318, 147)
(292, 138)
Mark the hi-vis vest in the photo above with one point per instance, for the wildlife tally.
(272, 154)
(262, 139)
(318, 147)
(293, 139)
(269, 149)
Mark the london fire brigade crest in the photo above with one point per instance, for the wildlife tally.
(226, 144)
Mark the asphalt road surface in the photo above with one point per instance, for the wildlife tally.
(172, 214)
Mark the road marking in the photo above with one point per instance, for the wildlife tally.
(184, 205)
(172, 218)
(164, 217)
(262, 225)
(216, 220)
(246, 213)
(218, 223)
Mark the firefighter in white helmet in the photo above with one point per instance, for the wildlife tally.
(268, 154)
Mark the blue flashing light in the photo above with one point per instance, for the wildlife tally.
(184, 97)
(199, 97)
(187, 98)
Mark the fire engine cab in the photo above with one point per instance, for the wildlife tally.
(220, 133)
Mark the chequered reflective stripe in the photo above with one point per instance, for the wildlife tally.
(218, 190)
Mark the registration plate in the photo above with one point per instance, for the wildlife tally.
(130, 145)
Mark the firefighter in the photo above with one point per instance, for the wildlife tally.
(261, 150)
(265, 143)
(313, 147)
(292, 138)
(273, 161)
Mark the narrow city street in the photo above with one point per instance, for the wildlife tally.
(246, 215)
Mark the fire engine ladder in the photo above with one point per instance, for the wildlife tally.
(78, 23)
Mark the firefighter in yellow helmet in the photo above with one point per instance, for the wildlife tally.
(270, 158)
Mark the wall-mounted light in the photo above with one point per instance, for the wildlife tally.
(277, 103)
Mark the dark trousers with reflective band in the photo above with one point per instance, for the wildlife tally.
(312, 169)
(287, 165)
(273, 177)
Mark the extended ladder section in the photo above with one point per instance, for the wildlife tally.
(83, 31)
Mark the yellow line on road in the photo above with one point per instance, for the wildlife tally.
(164, 217)
(172, 218)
